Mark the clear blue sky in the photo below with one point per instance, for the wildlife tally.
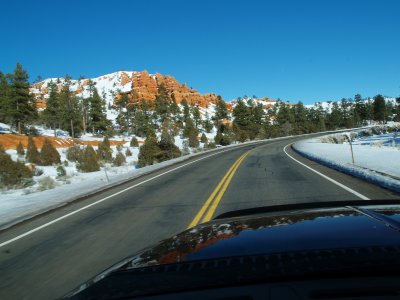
(294, 50)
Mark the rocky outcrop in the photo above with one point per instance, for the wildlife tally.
(137, 85)
(146, 86)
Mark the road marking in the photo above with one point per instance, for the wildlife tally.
(212, 202)
(104, 199)
(326, 177)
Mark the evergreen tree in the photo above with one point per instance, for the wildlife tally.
(335, 117)
(221, 109)
(397, 116)
(379, 109)
(300, 119)
(174, 108)
(203, 138)
(32, 153)
(5, 98)
(241, 114)
(52, 114)
(22, 106)
(148, 152)
(162, 102)
(128, 152)
(20, 149)
(207, 123)
(88, 161)
(196, 116)
(104, 150)
(119, 159)
(74, 153)
(97, 116)
(186, 110)
(49, 155)
(70, 111)
(168, 149)
(134, 142)
(13, 174)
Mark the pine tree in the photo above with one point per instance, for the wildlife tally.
(49, 155)
(69, 110)
(241, 114)
(397, 117)
(300, 119)
(162, 102)
(119, 159)
(148, 152)
(174, 108)
(134, 142)
(196, 116)
(168, 149)
(379, 108)
(13, 174)
(128, 152)
(52, 112)
(97, 116)
(20, 149)
(104, 150)
(221, 109)
(74, 153)
(203, 138)
(207, 123)
(32, 153)
(22, 106)
(186, 110)
(88, 161)
(5, 98)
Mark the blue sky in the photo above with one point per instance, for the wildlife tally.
(295, 50)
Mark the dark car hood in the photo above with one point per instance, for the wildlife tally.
(342, 227)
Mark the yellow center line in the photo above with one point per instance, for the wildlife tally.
(224, 184)
(214, 205)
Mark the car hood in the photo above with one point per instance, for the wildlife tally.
(278, 232)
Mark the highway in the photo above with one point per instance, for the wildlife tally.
(46, 257)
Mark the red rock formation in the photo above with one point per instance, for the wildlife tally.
(143, 86)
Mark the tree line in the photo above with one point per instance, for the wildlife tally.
(247, 121)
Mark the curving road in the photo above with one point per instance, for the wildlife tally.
(46, 257)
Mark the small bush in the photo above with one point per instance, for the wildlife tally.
(134, 142)
(66, 163)
(32, 153)
(148, 152)
(119, 147)
(104, 150)
(74, 153)
(61, 171)
(119, 159)
(193, 141)
(203, 138)
(128, 152)
(210, 146)
(20, 149)
(46, 183)
(88, 162)
(2, 149)
(49, 155)
(13, 174)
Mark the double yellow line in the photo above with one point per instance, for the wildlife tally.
(207, 210)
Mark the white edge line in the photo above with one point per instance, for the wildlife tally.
(326, 177)
(104, 199)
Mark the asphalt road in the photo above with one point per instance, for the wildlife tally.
(51, 261)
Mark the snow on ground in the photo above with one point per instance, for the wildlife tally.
(373, 161)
